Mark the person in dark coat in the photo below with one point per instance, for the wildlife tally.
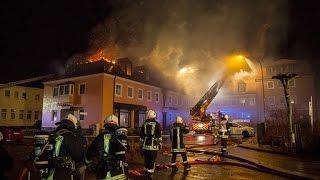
(71, 152)
(6, 163)
(178, 147)
(109, 151)
(81, 166)
(151, 142)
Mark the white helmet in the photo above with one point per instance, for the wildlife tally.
(112, 119)
(72, 118)
(152, 114)
(179, 120)
(226, 117)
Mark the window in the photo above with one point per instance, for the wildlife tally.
(291, 83)
(270, 84)
(81, 114)
(66, 89)
(271, 100)
(282, 100)
(130, 92)
(252, 101)
(124, 120)
(118, 90)
(71, 89)
(170, 99)
(37, 97)
(156, 97)
(29, 114)
(242, 87)
(142, 117)
(16, 94)
(21, 114)
(13, 114)
(61, 90)
(36, 115)
(3, 113)
(175, 100)
(54, 115)
(55, 91)
(7, 93)
(149, 95)
(82, 89)
(140, 94)
(24, 95)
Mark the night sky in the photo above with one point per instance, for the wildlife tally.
(38, 36)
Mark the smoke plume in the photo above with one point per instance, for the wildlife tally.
(186, 40)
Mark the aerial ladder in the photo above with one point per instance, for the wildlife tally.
(201, 121)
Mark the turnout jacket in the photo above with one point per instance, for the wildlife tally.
(176, 136)
(150, 135)
(109, 151)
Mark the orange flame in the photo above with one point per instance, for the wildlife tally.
(109, 54)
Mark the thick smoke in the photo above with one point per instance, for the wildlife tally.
(191, 34)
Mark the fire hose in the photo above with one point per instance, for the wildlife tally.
(244, 163)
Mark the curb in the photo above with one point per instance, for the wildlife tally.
(263, 168)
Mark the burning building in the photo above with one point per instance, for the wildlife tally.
(93, 90)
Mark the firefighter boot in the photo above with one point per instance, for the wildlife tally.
(174, 169)
(187, 166)
(147, 175)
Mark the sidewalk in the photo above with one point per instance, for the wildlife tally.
(287, 164)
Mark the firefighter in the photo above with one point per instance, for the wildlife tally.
(178, 147)
(109, 148)
(81, 166)
(151, 142)
(68, 149)
(223, 133)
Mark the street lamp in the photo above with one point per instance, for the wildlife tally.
(263, 95)
(285, 78)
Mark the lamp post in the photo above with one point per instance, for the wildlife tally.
(285, 78)
(263, 95)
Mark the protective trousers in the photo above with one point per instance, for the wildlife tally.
(149, 161)
(174, 157)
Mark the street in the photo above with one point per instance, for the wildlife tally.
(199, 171)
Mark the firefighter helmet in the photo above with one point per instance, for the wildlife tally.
(111, 119)
(225, 117)
(152, 114)
(72, 118)
(179, 120)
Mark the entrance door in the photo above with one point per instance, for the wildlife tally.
(164, 120)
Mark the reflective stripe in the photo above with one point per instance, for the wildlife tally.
(150, 170)
(185, 162)
(179, 150)
(152, 148)
(57, 146)
(116, 177)
(173, 164)
(107, 138)
(120, 152)
(178, 137)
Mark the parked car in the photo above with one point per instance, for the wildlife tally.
(12, 135)
(237, 129)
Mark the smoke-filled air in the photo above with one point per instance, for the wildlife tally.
(188, 40)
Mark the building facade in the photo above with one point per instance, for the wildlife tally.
(20, 106)
(100, 92)
(246, 99)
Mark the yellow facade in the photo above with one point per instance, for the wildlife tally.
(20, 106)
